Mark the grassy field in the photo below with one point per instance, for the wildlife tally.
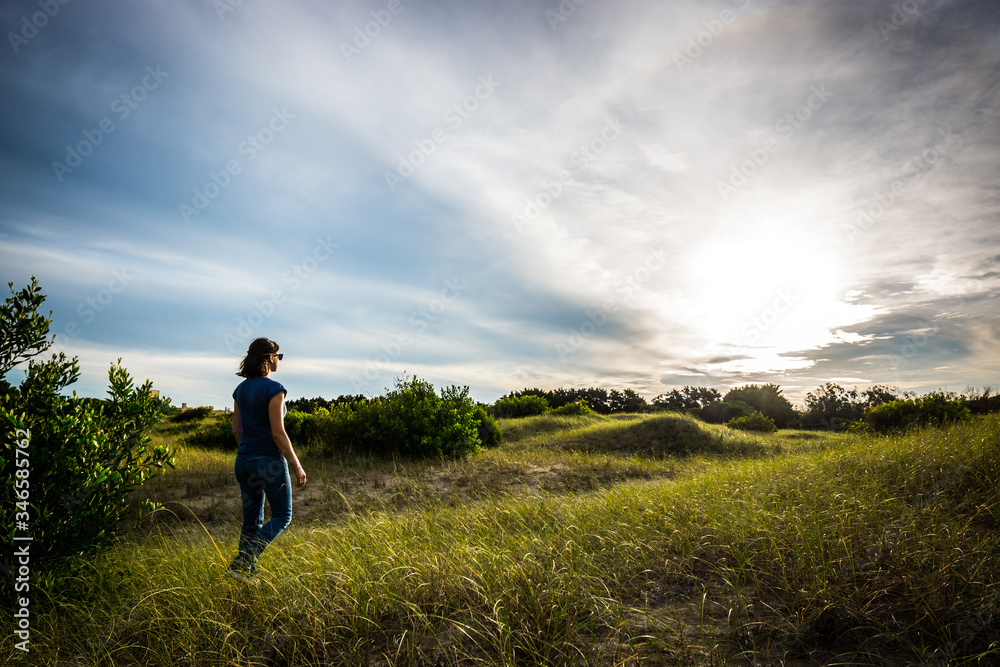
(652, 540)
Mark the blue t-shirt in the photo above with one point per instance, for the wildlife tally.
(252, 398)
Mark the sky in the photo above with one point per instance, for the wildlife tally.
(508, 194)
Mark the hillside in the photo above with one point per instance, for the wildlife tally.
(581, 540)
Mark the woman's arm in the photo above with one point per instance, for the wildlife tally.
(237, 424)
(275, 412)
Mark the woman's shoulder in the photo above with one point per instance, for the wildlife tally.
(260, 383)
(274, 386)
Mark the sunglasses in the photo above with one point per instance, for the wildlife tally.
(279, 355)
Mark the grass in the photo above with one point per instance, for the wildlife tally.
(580, 541)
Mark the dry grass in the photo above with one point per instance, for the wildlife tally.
(575, 547)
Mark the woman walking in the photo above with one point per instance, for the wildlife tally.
(264, 455)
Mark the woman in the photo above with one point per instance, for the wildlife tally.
(264, 455)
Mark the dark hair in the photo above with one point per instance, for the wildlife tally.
(254, 365)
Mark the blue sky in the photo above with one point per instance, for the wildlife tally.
(508, 194)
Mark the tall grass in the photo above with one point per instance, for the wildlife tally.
(840, 549)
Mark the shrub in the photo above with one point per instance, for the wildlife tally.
(214, 434)
(81, 459)
(411, 420)
(982, 402)
(579, 407)
(766, 399)
(754, 421)
(720, 412)
(194, 414)
(528, 405)
(490, 433)
(934, 409)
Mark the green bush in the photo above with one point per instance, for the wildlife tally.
(720, 412)
(80, 459)
(767, 400)
(529, 405)
(579, 407)
(214, 434)
(411, 420)
(490, 433)
(754, 421)
(934, 409)
(192, 414)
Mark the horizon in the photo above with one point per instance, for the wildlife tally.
(507, 195)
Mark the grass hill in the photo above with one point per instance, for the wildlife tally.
(580, 541)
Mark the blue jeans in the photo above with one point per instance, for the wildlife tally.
(262, 477)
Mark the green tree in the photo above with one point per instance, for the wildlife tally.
(833, 407)
(767, 399)
(75, 461)
(688, 398)
(627, 400)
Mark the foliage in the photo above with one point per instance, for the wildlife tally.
(490, 433)
(981, 402)
(216, 433)
(192, 414)
(765, 398)
(626, 400)
(600, 400)
(81, 459)
(833, 407)
(411, 420)
(415, 421)
(934, 409)
(579, 407)
(529, 405)
(688, 398)
(311, 405)
(754, 421)
(720, 412)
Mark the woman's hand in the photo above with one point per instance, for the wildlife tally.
(300, 477)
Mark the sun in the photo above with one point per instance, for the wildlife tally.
(762, 291)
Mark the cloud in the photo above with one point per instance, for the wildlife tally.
(618, 214)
